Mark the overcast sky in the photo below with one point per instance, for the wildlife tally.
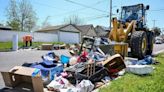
(91, 11)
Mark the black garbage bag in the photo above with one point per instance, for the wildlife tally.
(100, 73)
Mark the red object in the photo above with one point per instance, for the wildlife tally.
(83, 57)
(27, 38)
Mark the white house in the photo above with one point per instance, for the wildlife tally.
(66, 33)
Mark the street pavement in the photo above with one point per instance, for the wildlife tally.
(158, 48)
(11, 59)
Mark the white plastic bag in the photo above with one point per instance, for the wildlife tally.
(58, 83)
(85, 86)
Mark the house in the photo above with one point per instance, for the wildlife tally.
(87, 30)
(5, 28)
(67, 33)
(101, 31)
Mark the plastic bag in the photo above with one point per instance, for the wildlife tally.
(85, 86)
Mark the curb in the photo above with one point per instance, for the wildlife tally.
(155, 53)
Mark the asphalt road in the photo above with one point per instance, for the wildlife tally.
(158, 48)
(11, 59)
(15, 58)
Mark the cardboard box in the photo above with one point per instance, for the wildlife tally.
(23, 78)
(46, 47)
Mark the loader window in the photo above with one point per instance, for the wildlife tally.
(131, 13)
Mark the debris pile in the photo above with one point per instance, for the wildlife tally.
(86, 69)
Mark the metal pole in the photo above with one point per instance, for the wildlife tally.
(154, 23)
(110, 14)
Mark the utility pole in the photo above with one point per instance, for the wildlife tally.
(154, 23)
(110, 15)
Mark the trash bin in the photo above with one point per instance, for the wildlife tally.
(15, 42)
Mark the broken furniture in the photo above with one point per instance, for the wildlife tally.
(114, 64)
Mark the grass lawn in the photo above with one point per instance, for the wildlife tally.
(134, 83)
(7, 46)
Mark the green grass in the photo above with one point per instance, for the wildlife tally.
(7, 46)
(135, 83)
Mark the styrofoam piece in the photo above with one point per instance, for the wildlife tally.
(139, 69)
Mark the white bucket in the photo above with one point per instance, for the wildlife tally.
(15, 42)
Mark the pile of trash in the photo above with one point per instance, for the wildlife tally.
(82, 72)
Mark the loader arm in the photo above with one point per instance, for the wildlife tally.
(120, 34)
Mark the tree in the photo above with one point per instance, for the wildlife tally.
(157, 31)
(14, 24)
(45, 22)
(21, 16)
(73, 19)
(12, 13)
(1, 24)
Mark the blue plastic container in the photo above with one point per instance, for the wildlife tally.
(64, 59)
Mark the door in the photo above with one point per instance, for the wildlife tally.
(69, 37)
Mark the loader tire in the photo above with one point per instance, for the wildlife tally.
(150, 37)
(138, 44)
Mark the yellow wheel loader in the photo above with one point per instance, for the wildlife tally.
(131, 28)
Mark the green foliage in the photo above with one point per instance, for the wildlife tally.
(21, 15)
(157, 31)
(135, 83)
(14, 24)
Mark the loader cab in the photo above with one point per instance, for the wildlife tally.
(134, 12)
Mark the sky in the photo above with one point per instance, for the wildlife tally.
(92, 12)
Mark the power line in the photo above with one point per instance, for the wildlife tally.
(85, 6)
(158, 10)
(80, 9)
(98, 17)
(101, 1)
(90, 17)
(46, 5)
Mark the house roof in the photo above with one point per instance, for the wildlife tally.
(49, 28)
(101, 31)
(103, 34)
(85, 30)
(5, 28)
